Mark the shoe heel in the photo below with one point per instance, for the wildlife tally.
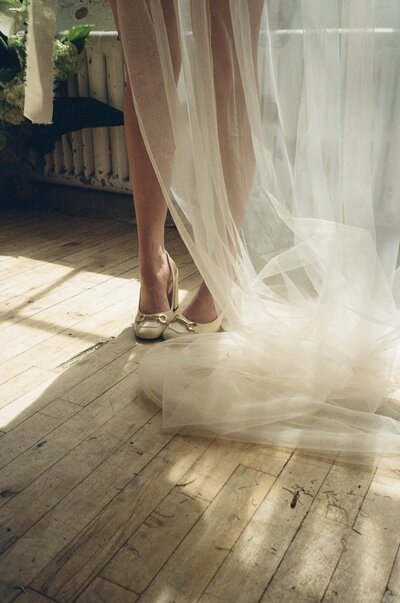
(175, 292)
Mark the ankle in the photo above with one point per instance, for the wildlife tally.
(202, 308)
(153, 263)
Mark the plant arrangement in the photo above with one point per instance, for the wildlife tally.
(23, 144)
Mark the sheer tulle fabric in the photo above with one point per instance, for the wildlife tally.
(277, 146)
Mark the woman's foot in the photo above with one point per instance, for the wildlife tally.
(201, 309)
(200, 316)
(151, 323)
(155, 280)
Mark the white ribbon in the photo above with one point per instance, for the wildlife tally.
(39, 79)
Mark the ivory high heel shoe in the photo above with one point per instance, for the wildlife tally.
(181, 325)
(151, 326)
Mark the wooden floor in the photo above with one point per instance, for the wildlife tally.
(97, 504)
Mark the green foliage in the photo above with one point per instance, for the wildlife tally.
(7, 6)
(17, 9)
(17, 46)
(20, 140)
(66, 60)
(8, 54)
(12, 100)
(13, 62)
(6, 75)
(68, 49)
(78, 35)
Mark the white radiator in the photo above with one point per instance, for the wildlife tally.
(94, 157)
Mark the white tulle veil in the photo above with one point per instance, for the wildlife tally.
(287, 197)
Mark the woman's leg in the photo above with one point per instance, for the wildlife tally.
(150, 205)
(232, 118)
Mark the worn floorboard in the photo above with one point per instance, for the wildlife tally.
(98, 504)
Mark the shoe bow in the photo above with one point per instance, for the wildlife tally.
(162, 318)
(190, 325)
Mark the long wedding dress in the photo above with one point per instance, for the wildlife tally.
(287, 195)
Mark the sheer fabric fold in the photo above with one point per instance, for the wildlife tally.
(277, 146)
(274, 130)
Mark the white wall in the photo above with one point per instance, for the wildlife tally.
(75, 12)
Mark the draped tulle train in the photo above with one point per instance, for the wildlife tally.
(277, 147)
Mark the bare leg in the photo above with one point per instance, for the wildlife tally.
(150, 205)
(238, 170)
(149, 202)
